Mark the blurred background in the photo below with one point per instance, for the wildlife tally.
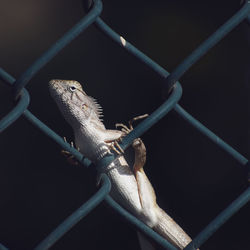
(194, 179)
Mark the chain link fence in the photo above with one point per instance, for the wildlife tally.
(172, 92)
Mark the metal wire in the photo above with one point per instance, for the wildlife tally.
(58, 46)
(205, 46)
(139, 225)
(21, 98)
(219, 220)
(75, 217)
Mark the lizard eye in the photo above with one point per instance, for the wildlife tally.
(84, 106)
(72, 88)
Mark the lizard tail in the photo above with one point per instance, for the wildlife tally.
(170, 230)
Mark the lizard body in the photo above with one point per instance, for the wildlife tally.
(131, 189)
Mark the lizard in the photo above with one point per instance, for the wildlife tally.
(130, 187)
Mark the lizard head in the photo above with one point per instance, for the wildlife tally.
(76, 106)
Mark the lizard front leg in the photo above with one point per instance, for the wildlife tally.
(125, 130)
(113, 137)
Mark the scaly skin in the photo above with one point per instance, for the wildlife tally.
(131, 189)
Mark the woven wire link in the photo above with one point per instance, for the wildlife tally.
(173, 92)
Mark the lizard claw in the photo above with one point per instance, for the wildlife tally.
(70, 158)
(125, 128)
(116, 147)
(136, 119)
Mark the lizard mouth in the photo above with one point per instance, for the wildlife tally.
(55, 87)
(54, 84)
(57, 91)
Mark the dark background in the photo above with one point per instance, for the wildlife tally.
(194, 179)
